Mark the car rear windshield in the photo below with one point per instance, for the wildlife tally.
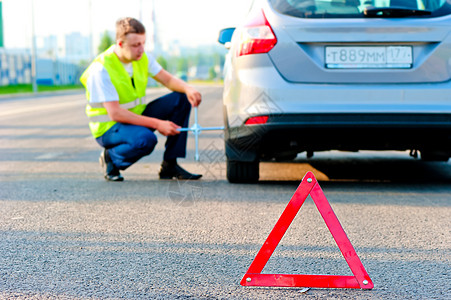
(362, 8)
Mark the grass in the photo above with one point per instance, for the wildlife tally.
(28, 88)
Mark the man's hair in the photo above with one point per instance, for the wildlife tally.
(128, 25)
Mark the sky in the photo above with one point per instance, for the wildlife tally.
(191, 22)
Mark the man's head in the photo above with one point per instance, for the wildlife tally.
(130, 39)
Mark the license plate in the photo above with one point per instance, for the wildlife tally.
(368, 57)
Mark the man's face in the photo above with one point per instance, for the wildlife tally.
(132, 46)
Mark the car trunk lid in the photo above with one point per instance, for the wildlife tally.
(409, 50)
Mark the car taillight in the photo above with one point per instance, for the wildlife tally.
(256, 120)
(257, 36)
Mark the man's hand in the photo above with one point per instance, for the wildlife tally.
(194, 97)
(178, 85)
(167, 128)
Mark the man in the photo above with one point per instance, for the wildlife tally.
(115, 82)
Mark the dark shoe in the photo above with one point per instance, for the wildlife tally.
(169, 171)
(111, 173)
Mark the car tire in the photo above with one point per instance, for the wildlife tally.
(242, 172)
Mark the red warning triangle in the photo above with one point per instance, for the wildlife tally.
(308, 186)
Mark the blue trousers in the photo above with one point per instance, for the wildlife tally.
(127, 143)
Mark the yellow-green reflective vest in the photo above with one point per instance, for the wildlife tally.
(129, 96)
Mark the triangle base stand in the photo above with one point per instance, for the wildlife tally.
(360, 278)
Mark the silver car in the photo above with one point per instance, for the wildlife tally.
(318, 75)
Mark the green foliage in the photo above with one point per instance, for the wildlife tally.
(162, 61)
(84, 63)
(105, 42)
(182, 64)
(212, 73)
(205, 59)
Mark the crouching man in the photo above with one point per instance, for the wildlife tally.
(115, 82)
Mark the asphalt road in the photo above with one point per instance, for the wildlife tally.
(65, 233)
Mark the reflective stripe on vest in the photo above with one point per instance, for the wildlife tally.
(99, 118)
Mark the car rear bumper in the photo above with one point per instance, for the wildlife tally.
(295, 133)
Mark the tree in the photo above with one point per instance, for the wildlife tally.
(212, 73)
(105, 42)
(163, 62)
(182, 65)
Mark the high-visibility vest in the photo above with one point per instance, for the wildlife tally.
(130, 97)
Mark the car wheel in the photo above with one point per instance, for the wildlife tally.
(434, 156)
(242, 172)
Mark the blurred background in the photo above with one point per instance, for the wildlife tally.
(46, 44)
